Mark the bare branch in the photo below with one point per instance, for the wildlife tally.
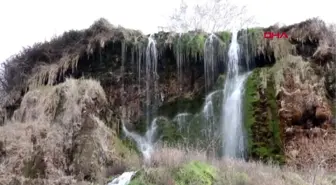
(212, 16)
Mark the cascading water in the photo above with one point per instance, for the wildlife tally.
(181, 120)
(231, 117)
(151, 79)
(233, 137)
(179, 61)
(209, 61)
(145, 143)
(209, 70)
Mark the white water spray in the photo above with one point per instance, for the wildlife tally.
(208, 107)
(182, 120)
(233, 137)
(146, 142)
(123, 179)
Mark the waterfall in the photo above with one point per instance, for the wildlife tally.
(180, 62)
(208, 107)
(210, 64)
(182, 120)
(218, 111)
(209, 61)
(151, 79)
(233, 137)
(145, 143)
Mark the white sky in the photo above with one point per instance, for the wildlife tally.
(24, 22)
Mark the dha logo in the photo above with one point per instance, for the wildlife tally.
(270, 35)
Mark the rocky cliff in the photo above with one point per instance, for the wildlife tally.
(289, 97)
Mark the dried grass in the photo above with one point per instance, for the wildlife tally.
(53, 122)
(303, 75)
(233, 171)
(317, 150)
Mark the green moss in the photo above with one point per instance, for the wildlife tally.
(220, 82)
(190, 43)
(274, 121)
(169, 133)
(225, 36)
(261, 119)
(125, 148)
(251, 98)
(195, 173)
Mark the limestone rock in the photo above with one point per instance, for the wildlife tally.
(61, 135)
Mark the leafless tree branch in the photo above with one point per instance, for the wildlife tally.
(212, 16)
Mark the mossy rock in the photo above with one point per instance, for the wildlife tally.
(193, 173)
(225, 36)
(196, 173)
(262, 123)
(191, 105)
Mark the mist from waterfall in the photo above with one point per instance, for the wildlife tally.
(232, 123)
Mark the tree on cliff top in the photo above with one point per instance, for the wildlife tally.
(210, 16)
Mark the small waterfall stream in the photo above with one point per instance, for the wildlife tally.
(232, 124)
(145, 143)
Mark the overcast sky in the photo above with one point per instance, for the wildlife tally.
(24, 22)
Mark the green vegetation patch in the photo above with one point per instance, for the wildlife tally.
(225, 36)
(196, 173)
(193, 173)
(192, 131)
(261, 120)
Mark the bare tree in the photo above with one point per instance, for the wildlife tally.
(210, 16)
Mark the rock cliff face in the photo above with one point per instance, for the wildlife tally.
(290, 91)
(298, 89)
(57, 134)
(117, 58)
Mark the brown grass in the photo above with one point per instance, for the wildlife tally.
(300, 89)
(50, 130)
(166, 160)
(317, 150)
